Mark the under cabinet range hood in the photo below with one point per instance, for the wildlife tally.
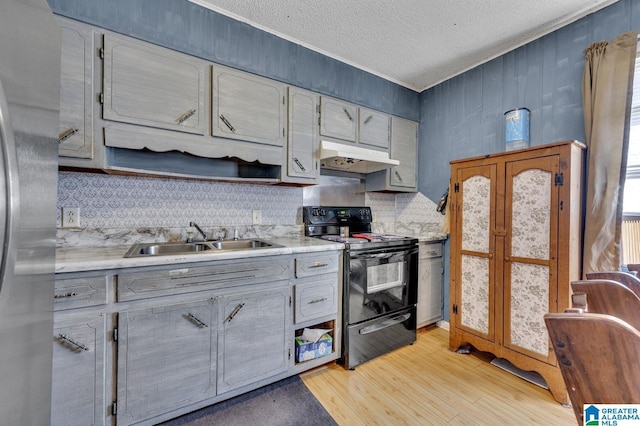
(351, 158)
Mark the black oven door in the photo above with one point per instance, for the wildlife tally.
(381, 281)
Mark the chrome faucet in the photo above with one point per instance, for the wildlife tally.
(200, 231)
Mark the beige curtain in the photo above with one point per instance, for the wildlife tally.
(607, 86)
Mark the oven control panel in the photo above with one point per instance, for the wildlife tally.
(321, 215)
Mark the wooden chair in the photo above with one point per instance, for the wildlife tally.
(634, 267)
(608, 297)
(599, 358)
(625, 278)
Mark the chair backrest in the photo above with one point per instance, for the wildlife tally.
(611, 298)
(625, 278)
(634, 267)
(599, 357)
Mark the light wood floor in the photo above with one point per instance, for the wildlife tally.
(426, 384)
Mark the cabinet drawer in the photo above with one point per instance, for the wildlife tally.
(315, 299)
(79, 292)
(430, 250)
(316, 265)
(140, 285)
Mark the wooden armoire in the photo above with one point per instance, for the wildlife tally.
(515, 248)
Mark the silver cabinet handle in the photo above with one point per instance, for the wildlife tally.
(226, 122)
(73, 342)
(368, 119)
(67, 134)
(195, 320)
(234, 312)
(319, 265)
(398, 175)
(65, 295)
(184, 117)
(346, 111)
(317, 301)
(295, 160)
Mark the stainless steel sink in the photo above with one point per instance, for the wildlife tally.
(164, 249)
(241, 244)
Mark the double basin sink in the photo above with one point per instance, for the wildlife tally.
(164, 249)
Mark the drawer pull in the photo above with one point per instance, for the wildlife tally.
(67, 134)
(319, 265)
(184, 117)
(64, 295)
(346, 111)
(295, 160)
(73, 342)
(317, 300)
(227, 123)
(195, 320)
(234, 312)
(368, 119)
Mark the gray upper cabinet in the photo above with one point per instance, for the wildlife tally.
(76, 106)
(302, 141)
(404, 146)
(77, 391)
(373, 128)
(253, 336)
(248, 107)
(166, 359)
(338, 119)
(153, 86)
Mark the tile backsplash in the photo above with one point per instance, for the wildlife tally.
(115, 205)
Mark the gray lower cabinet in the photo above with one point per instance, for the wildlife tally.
(166, 359)
(146, 344)
(430, 283)
(78, 371)
(253, 338)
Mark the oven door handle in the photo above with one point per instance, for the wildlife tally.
(374, 256)
(385, 324)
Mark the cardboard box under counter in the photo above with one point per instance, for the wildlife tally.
(307, 350)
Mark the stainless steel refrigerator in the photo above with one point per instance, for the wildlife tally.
(29, 110)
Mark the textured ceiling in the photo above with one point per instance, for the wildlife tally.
(415, 43)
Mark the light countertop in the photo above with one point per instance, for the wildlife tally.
(83, 258)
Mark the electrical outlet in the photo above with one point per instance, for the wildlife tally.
(71, 217)
(257, 217)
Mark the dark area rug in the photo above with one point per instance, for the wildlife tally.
(284, 403)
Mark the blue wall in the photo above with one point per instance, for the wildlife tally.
(464, 116)
(186, 27)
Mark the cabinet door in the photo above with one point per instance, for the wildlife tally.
(302, 146)
(530, 283)
(76, 82)
(153, 86)
(373, 128)
(77, 392)
(474, 250)
(430, 284)
(253, 337)
(166, 359)
(404, 144)
(338, 119)
(248, 107)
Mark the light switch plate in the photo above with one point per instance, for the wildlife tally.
(257, 217)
